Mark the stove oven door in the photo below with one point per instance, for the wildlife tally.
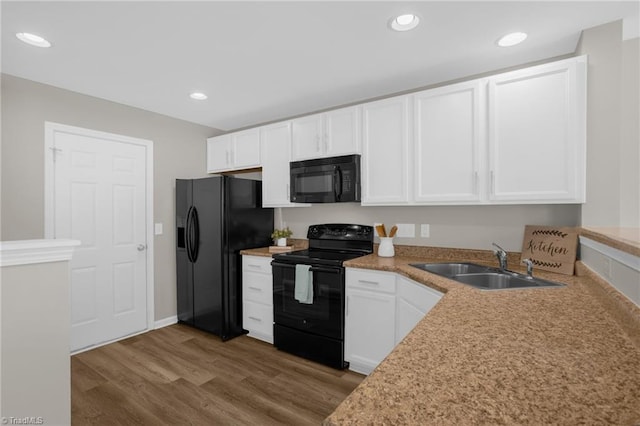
(323, 317)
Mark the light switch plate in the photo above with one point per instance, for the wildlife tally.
(424, 230)
(406, 230)
(158, 229)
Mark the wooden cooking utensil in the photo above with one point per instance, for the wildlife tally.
(393, 231)
(381, 231)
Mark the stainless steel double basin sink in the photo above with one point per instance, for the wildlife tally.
(485, 277)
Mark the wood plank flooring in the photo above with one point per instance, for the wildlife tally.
(181, 376)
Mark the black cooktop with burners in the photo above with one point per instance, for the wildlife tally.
(332, 244)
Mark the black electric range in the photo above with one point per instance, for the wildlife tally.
(314, 328)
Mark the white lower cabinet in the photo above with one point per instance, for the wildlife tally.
(413, 301)
(381, 309)
(369, 318)
(257, 297)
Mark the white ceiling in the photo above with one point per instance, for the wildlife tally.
(264, 61)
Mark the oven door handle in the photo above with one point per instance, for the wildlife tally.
(312, 269)
(282, 265)
(328, 270)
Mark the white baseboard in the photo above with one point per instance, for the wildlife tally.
(158, 324)
(166, 322)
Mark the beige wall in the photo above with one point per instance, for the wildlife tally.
(630, 135)
(474, 227)
(613, 197)
(179, 152)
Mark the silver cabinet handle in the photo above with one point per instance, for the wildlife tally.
(141, 247)
(255, 319)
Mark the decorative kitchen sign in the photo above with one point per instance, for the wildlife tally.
(550, 248)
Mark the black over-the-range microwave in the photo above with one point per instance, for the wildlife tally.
(326, 180)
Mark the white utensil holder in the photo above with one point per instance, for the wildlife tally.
(385, 249)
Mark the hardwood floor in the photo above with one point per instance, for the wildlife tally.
(181, 376)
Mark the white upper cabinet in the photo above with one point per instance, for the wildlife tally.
(537, 136)
(326, 135)
(218, 153)
(276, 142)
(234, 151)
(342, 131)
(385, 147)
(307, 137)
(513, 138)
(448, 143)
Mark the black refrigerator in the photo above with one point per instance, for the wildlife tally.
(216, 217)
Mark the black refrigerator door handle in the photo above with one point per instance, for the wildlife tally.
(187, 234)
(195, 228)
(337, 182)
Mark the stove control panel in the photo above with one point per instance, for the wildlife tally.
(340, 231)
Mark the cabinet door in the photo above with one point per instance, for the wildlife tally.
(407, 318)
(246, 149)
(385, 171)
(414, 301)
(369, 328)
(275, 142)
(342, 131)
(537, 133)
(447, 139)
(219, 153)
(307, 137)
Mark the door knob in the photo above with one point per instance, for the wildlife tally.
(141, 247)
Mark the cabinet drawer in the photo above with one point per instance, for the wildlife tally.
(256, 264)
(383, 282)
(257, 287)
(420, 296)
(257, 318)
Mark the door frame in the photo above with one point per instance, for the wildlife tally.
(50, 130)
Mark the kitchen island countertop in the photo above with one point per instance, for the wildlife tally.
(532, 356)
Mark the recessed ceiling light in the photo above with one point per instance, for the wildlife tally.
(34, 40)
(512, 39)
(198, 96)
(405, 22)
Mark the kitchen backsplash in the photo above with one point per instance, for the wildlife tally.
(470, 227)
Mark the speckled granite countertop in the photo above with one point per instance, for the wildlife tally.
(298, 244)
(625, 239)
(539, 356)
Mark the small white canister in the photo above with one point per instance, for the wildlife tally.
(385, 249)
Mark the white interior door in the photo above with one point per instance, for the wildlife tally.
(100, 198)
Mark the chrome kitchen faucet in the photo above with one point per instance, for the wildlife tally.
(502, 256)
